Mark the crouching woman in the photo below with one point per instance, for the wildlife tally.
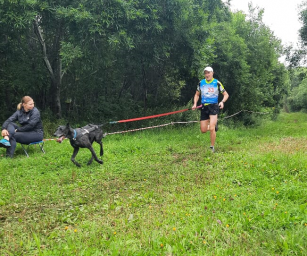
(30, 129)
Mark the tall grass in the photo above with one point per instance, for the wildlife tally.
(162, 192)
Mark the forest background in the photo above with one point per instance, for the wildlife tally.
(99, 61)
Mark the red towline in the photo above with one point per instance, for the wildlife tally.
(153, 116)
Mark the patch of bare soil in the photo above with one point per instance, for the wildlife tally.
(288, 145)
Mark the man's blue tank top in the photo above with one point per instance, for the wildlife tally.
(209, 91)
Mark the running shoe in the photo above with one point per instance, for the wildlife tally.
(212, 149)
(5, 143)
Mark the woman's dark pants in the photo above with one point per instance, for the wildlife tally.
(21, 137)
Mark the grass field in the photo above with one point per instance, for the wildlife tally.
(162, 192)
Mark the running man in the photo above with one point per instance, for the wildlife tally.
(208, 89)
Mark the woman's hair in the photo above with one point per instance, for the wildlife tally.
(24, 99)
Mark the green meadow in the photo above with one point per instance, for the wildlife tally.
(162, 192)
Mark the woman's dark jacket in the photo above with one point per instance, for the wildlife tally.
(29, 121)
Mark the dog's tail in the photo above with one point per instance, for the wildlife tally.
(97, 125)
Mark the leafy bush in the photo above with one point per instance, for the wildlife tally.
(298, 97)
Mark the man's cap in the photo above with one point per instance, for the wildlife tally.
(209, 69)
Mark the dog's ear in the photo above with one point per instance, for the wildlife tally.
(67, 125)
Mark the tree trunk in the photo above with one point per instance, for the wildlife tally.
(55, 70)
(55, 97)
(56, 86)
(144, 88)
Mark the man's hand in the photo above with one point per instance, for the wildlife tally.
(194, 107)
(221, 104)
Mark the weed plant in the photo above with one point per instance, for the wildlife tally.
(162, 192)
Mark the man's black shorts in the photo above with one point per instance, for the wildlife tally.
(208, 110)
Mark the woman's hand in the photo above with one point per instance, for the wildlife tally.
(5, 132)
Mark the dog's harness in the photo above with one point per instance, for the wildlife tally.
(75, 135)
(85, 131)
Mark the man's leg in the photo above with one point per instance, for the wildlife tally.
(213, 120)
(204, 125)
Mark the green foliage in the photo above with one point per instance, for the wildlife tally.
(161, 192)
(116, 59)
(254, 75)
(68, 53)
(296, 100)
(296, 55)
(303, 19)
(298, 97)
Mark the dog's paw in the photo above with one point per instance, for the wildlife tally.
(77, 164)
(100, 161)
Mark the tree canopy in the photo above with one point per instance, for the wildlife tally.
(296, 97)
(114, 59)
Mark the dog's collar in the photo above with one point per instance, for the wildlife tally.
(75, 135)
